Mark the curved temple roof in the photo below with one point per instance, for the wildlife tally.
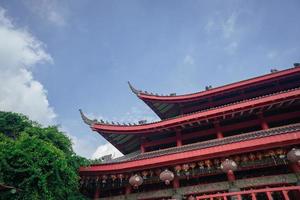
(167, 106)
(289, 95)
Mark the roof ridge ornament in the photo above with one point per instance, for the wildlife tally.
(135, 91)
(86, 119)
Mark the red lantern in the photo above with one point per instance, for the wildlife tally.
(244, 158)
(185, 167)
(136, 180)
(191, 197)
(228, 165)
(294, 155)
(177, 169)
(252, 157)
(193, 165)
(208, 164)
(201, 164)
(237, 159)
(166, 176)
(259, 155)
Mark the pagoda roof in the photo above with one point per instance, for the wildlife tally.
(285, 135)
(126, 138)
(166, 106)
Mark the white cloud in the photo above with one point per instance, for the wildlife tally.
(229, 26)
(49, 10)
(272, 54)
(231, 47)
(188, 59)
(106, 149)
(19, 91)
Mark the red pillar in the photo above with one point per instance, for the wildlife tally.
(176, 183)
(128, 189)
(269, 195)
(285, 195)
(218, 129)
(178, 138)
(253, 196)
(97, 193)
(295, 168)
(264, 124)
(230, 176)
(143, 150)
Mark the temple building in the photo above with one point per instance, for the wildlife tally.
(238, 141)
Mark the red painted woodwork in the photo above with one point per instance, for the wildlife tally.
(222, 89)
(97, 193)
(230, 176)
(190, 156)
(268, 191)
(226, 128)
(205, 115)
(295, 167)
(235, 99)
(178, 138)
(176, 183)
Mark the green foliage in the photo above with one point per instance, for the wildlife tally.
(38, 161)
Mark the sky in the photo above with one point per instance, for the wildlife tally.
(57, 56)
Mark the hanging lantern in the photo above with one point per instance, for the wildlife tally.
(136, 180)
(144, 173)
(166, 176)
(193, 165)
(177, 168)
(259, 155)
(245, 158)
(271, 153)
(208, 164)
(113, 177)
(81, 180)
(121, 177)
(104, 178)
(191, 197)
(216, 162)
(294, 155)
(185, 168)
(228, 165)
(237, 159)
(252, 156)
(280, 153)
(157, 171)
(201, 164)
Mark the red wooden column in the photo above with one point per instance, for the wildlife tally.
(269, 195)
(253, 196)
(178, 138)
(218, 129)
(176, 183)
(263, 122)
(97, 193)
(128, 189)
(285, 195)
(230, 176)
(142, 140)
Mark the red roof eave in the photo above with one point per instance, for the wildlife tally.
(291, 138)
(222, 89)
(169, 123)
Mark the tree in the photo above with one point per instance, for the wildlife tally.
(38, 161)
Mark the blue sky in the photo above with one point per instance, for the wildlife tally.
(85, 51)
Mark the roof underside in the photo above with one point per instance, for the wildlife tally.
(173, 105)
(127, 138)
